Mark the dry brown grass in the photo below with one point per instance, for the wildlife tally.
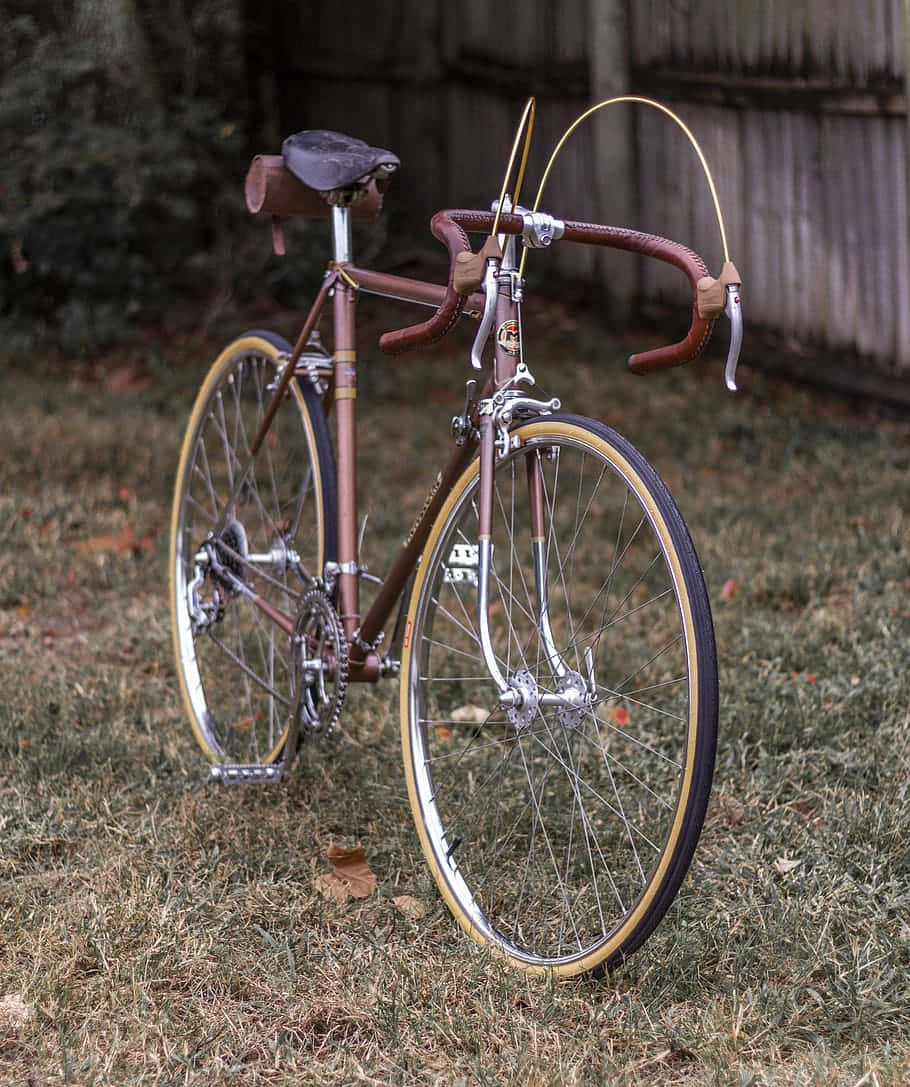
(158, 931)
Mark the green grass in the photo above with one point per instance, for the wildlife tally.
(159, 930)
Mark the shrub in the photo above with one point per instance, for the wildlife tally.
(107, 209)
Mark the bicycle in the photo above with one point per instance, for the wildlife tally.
(552, 631)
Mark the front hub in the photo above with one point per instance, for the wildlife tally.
(575, 700)
(525, 701)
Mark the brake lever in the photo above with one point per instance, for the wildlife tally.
(734, 311)
(491, 286)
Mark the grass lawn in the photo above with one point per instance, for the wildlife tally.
(155, 929)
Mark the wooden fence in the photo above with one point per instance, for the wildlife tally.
(801, 106)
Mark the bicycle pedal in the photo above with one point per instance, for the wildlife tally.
(247, 774)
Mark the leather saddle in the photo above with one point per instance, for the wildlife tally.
(327, 160)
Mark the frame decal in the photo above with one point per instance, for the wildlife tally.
(507, 337)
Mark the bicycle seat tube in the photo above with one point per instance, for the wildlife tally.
(345, 394)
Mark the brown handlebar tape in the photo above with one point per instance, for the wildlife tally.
(449, 227)
(688, 262)
(446, 230)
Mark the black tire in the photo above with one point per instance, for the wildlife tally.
(559, 835)
(234, 668)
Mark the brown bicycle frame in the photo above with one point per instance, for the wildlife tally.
(364, 662)
(365, 665)
(342, 283)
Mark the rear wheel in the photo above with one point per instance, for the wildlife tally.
(268, 543)
(559, 829)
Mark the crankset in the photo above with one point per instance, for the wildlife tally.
(319, 665)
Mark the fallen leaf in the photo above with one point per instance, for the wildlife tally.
(20, 264)
(126, 377)
(245, 725)
(123, 543)
(443, 733)
(470, 715)
(785, 865)
(413, 498)
(411, 907)
(14, 1012)
(729, 590)
(621, 716)
(350, 874)
(811, 677)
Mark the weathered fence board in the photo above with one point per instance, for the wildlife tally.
(800, 105)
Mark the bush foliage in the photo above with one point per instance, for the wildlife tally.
(116, 196)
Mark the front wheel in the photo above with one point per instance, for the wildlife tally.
(559, 826)
(247, 537)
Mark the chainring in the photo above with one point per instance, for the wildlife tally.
(319, 665)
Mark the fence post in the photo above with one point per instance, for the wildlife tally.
(609, 58)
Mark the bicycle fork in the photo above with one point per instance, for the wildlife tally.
(515, 694)
(519, 693)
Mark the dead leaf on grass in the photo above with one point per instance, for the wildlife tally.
(126, 377)
(14, 1012)
(412, 499)
(350, 874)
(20, 264)
(785, 865)
(470, 715)
(124, 543)
(410, 906)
